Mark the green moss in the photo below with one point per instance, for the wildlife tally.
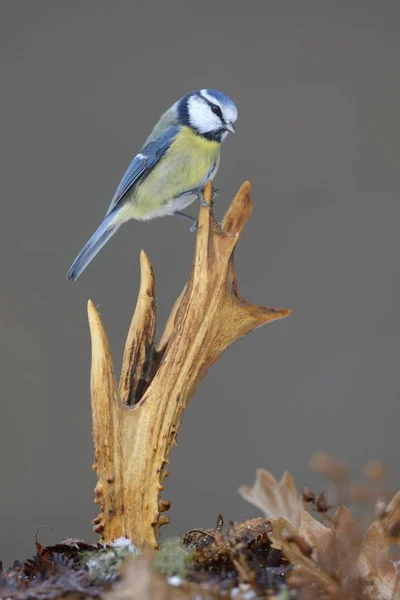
(104, 564)
(286, 594)
(173, 558)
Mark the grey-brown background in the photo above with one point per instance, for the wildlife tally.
(317, 86)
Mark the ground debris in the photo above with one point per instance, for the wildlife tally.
(236, 553)
(53, 572)
(309, 546)
(206, 563)
(57, 577)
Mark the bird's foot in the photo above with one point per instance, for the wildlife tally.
(213, 196)
(219, 223)
(194, 222)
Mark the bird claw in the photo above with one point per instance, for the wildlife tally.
(213, 196)
(219, 223)
(194, 227)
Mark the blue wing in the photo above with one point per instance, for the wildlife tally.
(143, 163)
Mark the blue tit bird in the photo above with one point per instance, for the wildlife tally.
(178, 158)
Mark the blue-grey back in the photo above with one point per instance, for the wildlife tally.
(170, 117)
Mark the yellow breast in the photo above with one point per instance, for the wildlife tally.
(187, 165)
(194, 149)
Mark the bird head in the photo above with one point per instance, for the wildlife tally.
(209, 113)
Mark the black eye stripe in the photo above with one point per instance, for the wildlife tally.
(216, 110)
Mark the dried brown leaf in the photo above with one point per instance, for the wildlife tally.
(275, 499)
(317, 536)
(345, 545)
(390, 519)
(376, 570)
(306, 574)
(362, 566)
(335, 548)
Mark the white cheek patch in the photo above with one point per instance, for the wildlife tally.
(201, 117)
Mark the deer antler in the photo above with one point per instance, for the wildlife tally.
(135, 425)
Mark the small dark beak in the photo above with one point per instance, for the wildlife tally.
(229, 126)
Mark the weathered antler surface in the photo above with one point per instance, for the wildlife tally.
(135, 424)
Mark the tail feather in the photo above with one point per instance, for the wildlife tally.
(93, 246)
